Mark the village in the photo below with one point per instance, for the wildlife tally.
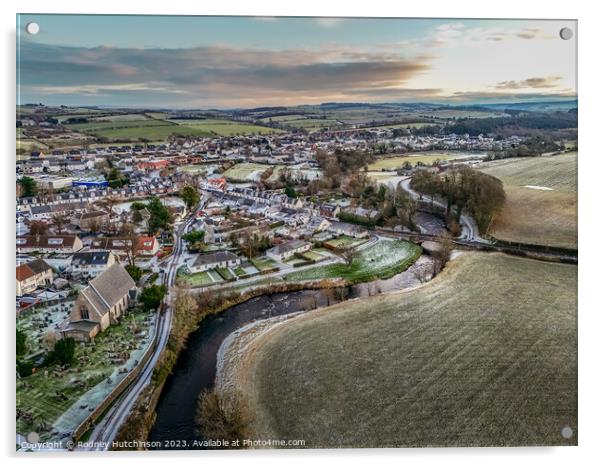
(106, 234)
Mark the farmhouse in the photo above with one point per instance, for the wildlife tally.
(48, 244)
(287, 250)
(91, 263)
(32, 275)
(214, 260)
(100, 304)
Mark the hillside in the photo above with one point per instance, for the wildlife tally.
(541, 199)
(484, 355)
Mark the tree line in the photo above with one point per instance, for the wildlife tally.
(464, 190)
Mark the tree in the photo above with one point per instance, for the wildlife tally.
(133, 243)
(190, 196)
(160, 216)
(151, 296)
(348, 254)
(116, 178)
(134, 271)
(216, 419)
(29, 186)
(59, 221)
(290, 191)
(194, 236)
(21, 343)
(442, 254)
(38, 228)
(64, 351)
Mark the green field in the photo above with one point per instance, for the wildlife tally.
(382, 260)
(427, 158)
(547, 217)
(133, 127)
(484, 355)
(225, 127)
(246, 171)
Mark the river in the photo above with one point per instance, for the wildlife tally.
(196, 366)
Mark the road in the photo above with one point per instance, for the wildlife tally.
(107, 428)
(470, 231)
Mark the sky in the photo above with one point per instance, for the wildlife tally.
(242, 62)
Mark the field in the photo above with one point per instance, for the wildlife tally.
(382, 260)
(246, 171)
(225, 127)
(133, 127)
(249, 171)
(427, 158)
(484, 355)
(537, 216)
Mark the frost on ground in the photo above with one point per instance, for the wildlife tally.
(540, 188)
(235, 348)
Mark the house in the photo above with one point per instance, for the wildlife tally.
(329, 210)
(287, 250)
(152, 164)
(214, 260)
(347, 229)
(32, 275)
(217, 183)
(49, 244)
(90, 220)
(100, 304)
(91, 263)
(147, 246)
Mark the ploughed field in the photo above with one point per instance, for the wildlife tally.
(484, 355)
(541, 200)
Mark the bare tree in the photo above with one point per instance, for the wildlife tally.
(59, 221)
(133, 242)
(348, 254)
(442, 253)
(38, 228)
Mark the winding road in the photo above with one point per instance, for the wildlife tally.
(470, 231)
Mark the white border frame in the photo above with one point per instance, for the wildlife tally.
(590, 321)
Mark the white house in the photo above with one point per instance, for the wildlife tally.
(287, 250)
(91, 263)
(214, 260)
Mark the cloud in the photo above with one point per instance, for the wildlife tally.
(498, 96)
(530, 83)
(530, 33)
(458, 33)
(212, 74)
